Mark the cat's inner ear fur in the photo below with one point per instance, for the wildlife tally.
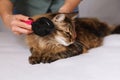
(59, 17)
(72, 16)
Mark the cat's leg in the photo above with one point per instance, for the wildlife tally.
(48, 58)
(35, 57)
(72, 50)
(38, 57)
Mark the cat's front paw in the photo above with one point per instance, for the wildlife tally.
(48, 58)
(34, 60)
(44, 59)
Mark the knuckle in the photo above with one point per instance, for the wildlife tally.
(13, 28)
(12, 23)
(18, 15)
(17, 33)
(27, 32)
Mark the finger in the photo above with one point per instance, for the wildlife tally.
(17, 33)
(24, 25)
(21, 24)
(20, 30)
(21, 17)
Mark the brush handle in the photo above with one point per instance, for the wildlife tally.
(28, 21)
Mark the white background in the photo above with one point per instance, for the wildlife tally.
(107, 10)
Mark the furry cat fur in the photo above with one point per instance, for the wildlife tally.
(72, 36)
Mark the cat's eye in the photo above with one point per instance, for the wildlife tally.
(67, 34)
(59, 30)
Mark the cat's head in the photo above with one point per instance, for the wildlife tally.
(64, 29)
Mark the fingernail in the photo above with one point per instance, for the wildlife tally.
(30, 18)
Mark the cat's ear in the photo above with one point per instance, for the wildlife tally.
(59, 17)
(72, 15)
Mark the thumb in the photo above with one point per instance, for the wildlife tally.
(21, 17)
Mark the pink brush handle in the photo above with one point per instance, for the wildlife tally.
(28, 21)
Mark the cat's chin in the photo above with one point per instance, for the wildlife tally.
(67, 44)
(62, 41)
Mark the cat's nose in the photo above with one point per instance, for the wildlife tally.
(73, 39)
(74, 35)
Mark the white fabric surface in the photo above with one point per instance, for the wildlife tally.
(102, 63)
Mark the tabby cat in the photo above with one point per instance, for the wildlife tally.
(71, 36)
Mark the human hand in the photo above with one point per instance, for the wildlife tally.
(69, 6)
(16, 25)
(65, 9)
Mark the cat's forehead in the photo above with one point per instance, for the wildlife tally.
(61, 17)
(56, 15)
(50, 15)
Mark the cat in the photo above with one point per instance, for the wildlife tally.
(71, 36)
